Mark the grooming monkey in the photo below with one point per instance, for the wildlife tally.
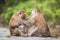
(17, 28)
(41, 27)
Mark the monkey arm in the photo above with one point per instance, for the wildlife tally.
(22, 30)
(32, 30)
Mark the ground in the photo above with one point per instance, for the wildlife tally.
(5, 31)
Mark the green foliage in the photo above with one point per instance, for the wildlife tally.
(50, 9)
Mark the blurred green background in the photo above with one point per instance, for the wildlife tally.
(49, 8)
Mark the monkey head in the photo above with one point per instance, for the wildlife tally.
(17, 18)
(23, 14)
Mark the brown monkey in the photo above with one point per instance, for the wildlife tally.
(16, 20)
(41, 26)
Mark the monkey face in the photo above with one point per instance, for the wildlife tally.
(35, 12)
(22, 14)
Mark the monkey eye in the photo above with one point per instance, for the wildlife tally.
(20, 13)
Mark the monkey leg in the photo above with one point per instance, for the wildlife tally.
(14, 32)
(23, 30)
(32, 30)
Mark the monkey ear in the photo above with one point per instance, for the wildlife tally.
(22, 11)
(37, 10)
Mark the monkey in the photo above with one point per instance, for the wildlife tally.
(17, 18)
(37, 26)
(41, 26)
(16, 22)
